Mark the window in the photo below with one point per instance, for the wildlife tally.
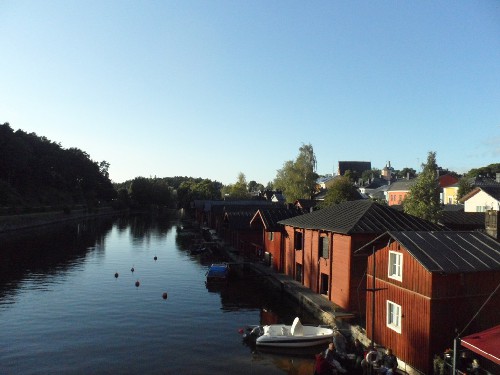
(323, 247)
(298, 241)
(270, 236)
(396, 265)
(480, 209)
(394, 316)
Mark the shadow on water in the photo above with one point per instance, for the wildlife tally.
(55, 249)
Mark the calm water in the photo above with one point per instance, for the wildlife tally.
(62, 311)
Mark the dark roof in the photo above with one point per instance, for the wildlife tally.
(238, 219)
(271, 216)
(493, 191)
(376, 183)
(460, 220)
(354, 166)
(360, 216)
(483, 181)
(306, 204)
(451, 252)
(402, 185)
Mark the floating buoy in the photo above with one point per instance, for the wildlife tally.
(137, 283)
(116, 275)
(132, 269)
(155, 258)
(164, 295)
(240, 331)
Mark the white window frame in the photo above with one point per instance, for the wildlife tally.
(394, 316)
(395, 268)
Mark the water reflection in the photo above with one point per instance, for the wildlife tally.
(37, 254)
(88, 309)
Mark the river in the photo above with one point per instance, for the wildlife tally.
(63, 311)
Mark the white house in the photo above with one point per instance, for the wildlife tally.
(481, 199)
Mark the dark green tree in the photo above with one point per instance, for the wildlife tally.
(342, 190)
(423, 199)
(464, 187)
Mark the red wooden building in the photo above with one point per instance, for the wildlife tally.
(272, 234)
(428, 286)
(319, 247)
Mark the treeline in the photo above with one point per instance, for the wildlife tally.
(172, 192)
(36, 172)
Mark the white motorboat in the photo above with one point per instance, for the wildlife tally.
(291, 336)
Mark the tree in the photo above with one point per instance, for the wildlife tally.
(342, 190)
(253, 186)
(464, 187)
(297, 179)
(238, 190)
(423, 199)
(406, 173)
(488, 171)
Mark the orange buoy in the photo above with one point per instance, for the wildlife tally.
(165, 295)
(137, 283)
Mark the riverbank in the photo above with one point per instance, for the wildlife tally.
(11, 223)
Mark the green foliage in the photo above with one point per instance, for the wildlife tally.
(150, 191)
(253, 186)
(192, 189)
(342, 190)
(488, 171)
(238, 190)
(40, 172)
(405, 172)
(369, 174)
(464, 187)
(423, 200)
(297, 179)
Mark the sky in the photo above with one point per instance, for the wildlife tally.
(214, 88)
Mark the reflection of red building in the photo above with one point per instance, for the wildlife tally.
(428, 285)
(268, 317)
(319, 247)
(271, 233)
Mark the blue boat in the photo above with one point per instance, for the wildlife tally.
(218, 272)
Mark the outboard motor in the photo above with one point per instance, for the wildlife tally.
(251, 333)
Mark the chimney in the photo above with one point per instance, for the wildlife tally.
(492, 223)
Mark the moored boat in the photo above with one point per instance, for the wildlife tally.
(291, 336)
(218, 272)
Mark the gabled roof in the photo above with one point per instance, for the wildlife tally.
(238, 219)
(360, 216)
(271, 216)
(451, 252)
(491, 190)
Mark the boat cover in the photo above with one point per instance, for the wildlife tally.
(485, 343)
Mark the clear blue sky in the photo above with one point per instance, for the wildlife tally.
(213, 88)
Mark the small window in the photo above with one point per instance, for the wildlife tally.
(395, 265)
(323, 247)
(298, 240)
(394, 316)
(270, 236)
